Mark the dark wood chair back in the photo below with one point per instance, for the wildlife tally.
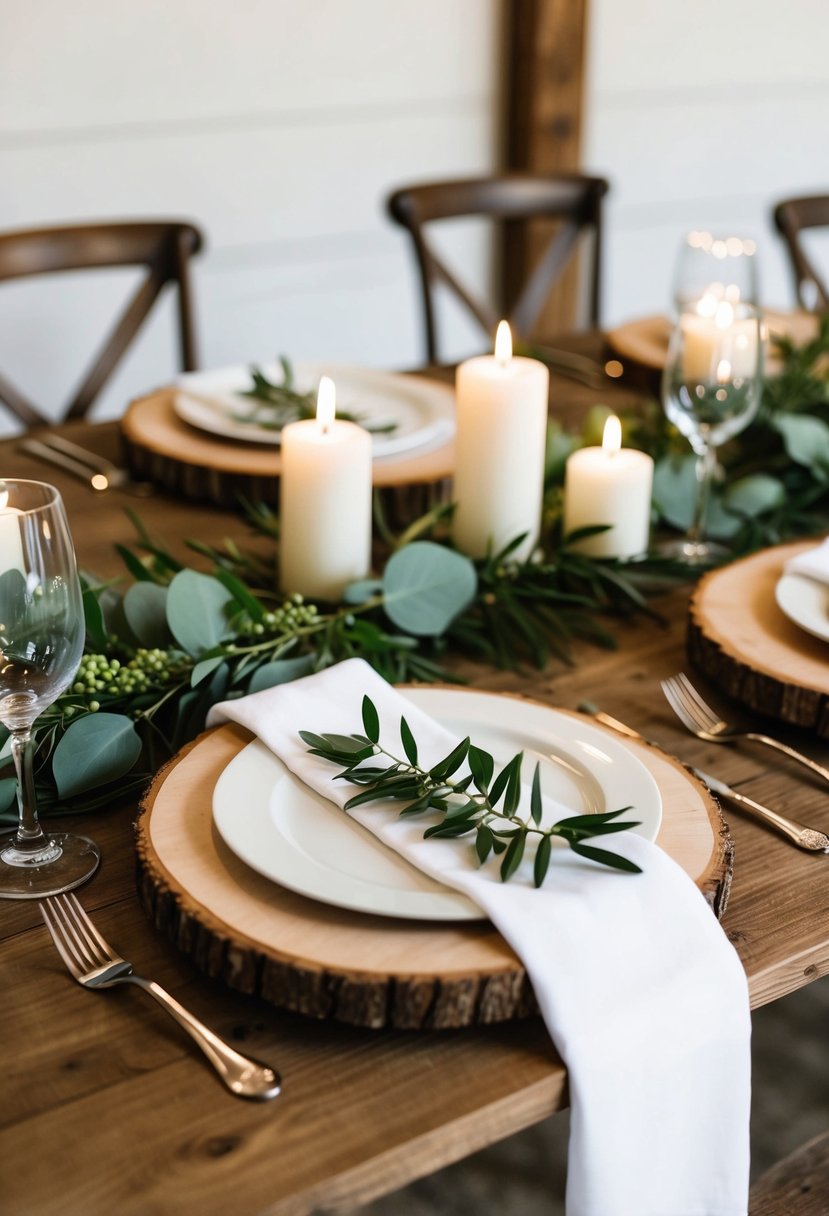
(791, 217)
(574, 200)
(163, 247)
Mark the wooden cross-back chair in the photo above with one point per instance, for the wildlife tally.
(163, 247)
(791, 217)
(575, 200)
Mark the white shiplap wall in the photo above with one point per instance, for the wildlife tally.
(278, 126)
(703, 115)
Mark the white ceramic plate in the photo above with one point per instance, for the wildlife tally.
(805, 601)
(282, 829)
(423, 410)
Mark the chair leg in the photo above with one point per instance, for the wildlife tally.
(796, 1186)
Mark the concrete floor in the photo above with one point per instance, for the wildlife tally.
(524, 1175)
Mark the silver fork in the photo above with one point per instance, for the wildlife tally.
(805, 838)
(98, 472)
(94, 964)
(701, 720)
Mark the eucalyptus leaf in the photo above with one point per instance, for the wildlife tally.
(280, 671)
(362, 591)
(8, 793)
(204, 668)
(197, 611)
(560, 444)
(425, 586)
(743, 499)
(94, 750)
(145, 610)
(190, 708)
(675, 490)
(806, 440)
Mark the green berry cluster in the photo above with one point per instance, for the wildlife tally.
(290, 616)
(99, 675)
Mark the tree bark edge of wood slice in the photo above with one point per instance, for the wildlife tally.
(481, 981)
(740, 640)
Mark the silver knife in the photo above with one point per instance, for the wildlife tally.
(41, 451)
(803, 837)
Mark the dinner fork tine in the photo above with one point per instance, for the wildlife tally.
(701, 720)
(91, 960)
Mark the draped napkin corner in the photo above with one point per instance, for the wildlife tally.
(644, 997)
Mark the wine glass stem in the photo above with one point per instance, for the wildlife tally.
(30, 835)
(706, 464)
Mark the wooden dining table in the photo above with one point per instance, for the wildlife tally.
(108, 1107)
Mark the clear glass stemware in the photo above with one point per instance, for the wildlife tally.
(722, 267)
(41, 642)
(711, 390)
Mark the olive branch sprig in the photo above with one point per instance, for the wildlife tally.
(469, 803)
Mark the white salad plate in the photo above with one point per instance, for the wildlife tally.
(281, 828)
(423, 411)
(805, 601)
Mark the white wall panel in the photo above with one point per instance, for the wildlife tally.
(278, 127)
(95, 63)
(715, 46)
(248, 187)
(702, 116)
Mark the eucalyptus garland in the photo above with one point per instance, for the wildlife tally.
(162, 651)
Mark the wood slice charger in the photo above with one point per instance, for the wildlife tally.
(740, 639)
(328, 962)
(161, 447)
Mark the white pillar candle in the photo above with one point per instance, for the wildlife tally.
(712, 337)
(609, 485)
(325, 502)
(499, 450)
(11, 544)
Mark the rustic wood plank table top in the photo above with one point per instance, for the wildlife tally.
(125, 1115)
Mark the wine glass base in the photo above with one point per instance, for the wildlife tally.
(75, 859)
(694, 552)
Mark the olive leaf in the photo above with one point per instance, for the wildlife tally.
(503, 832)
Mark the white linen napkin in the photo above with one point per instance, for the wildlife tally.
(814, 562)
(643, 995)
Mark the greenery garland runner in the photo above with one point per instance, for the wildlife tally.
(161, 652)
(464, 809)
(177, 640)
(773, 480)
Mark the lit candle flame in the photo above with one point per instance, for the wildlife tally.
(723, 371)
(503, 344)
(326, 403)
(612, 436)
(707, 304)
(724, 317)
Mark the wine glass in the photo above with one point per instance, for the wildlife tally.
(41, 642)
(711, 390)
(724, 267)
